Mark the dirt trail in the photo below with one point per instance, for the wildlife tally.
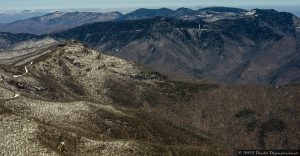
(26, 71)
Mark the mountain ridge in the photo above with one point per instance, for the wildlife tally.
(57, 21)
(168, 45)
(73, 19)
(222, 51)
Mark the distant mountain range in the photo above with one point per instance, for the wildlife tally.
(59, 21)
(8, 16)
(227, 45)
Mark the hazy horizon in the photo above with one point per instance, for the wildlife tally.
(133, 4)
(129, 9)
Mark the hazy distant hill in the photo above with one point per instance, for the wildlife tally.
(57, 21)
(8, 16)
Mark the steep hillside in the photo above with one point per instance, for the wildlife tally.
(68, 95)
(7, 40)
(26, 51)
(262, 46)
(100, 104)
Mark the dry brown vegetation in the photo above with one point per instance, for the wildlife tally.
(94, 103)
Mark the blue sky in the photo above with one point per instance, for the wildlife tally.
(106, 4)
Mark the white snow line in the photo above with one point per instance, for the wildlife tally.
(16, 76)
(16, 95)
(26, 70)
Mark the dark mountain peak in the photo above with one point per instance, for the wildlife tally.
(271, 13)
(165, 9)
(141, 9)
(146, 9)
(223, 10)
(264, 10)
(54, 13)
(183, 11)
(147, 13)
(282, 20)
(116, 12)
